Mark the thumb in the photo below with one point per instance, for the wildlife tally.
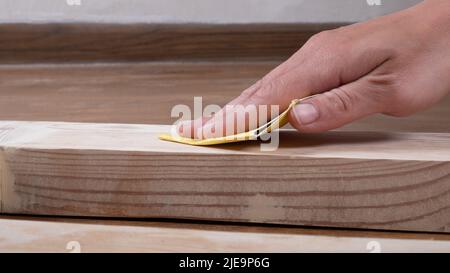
(336, 108)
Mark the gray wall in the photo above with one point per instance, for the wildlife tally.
(197, 11)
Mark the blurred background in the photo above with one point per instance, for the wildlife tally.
(198, 11)
(131, 61)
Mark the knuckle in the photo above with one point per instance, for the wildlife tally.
(252, 89)
(334, 38)
(330, 46)
(386, 79)
(340, 100)
(392, 102)
(266, 88)
(387, 92)
(322, 37)
(270, 87)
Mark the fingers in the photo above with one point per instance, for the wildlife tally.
(255, 106)
(327, 61)
(188, 128)
(336, 108)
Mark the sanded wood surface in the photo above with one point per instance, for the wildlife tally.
(146, 92)
(37, 234)
(342, 179)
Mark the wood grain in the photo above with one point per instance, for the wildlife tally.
(30, 43)
(37, 234)
(370, 180)
(146, 92)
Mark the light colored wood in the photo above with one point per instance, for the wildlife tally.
(35, 234)
(371, 180)
(145, 93)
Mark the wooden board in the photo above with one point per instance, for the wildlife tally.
(146, 92)
(37, 234)
(370, 180)
(86, 42)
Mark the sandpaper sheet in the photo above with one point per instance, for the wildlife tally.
(254, 134)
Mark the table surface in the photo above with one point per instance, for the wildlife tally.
(145, 93)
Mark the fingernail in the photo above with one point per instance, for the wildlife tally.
(184, 128)
(208, 130)
(306, 113)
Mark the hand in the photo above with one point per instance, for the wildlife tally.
(396, 65)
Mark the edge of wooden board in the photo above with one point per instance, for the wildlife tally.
(144, 138)
(2, 178)
(7, 194)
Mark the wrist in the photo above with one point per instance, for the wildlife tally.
(437, 10)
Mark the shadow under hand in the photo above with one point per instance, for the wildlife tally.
(292, 139)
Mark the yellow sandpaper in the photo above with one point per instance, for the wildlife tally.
(274, 124)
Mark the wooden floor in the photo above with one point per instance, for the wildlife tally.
(145, 93)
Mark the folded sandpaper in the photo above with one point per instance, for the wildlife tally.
(254, 134)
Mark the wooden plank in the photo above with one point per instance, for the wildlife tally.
(146, 92)
(36, 234)
(342, 179)
(81, 42)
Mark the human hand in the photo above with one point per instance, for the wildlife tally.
(396, 65)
